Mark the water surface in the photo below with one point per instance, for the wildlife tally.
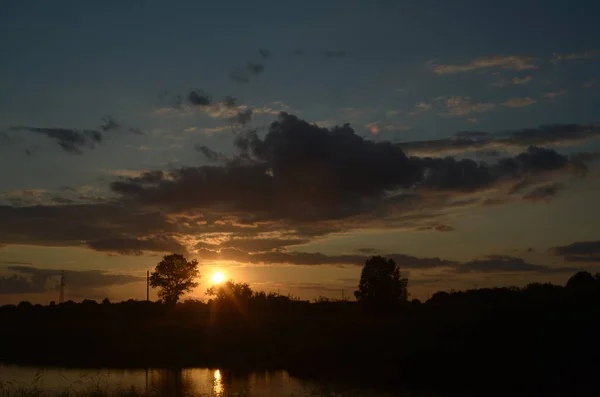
(179, 382)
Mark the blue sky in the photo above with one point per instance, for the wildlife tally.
(399, 72)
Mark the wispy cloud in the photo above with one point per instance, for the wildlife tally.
(516, 62)
(519, 102)
(553, 95)
(463, 106)
(513, 81)
(575, 55)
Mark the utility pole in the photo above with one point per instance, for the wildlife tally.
(147, 285)
(63, 284)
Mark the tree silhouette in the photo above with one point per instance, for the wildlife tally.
(381, 283)
(174, 275)
(582, 281)
(238, 292)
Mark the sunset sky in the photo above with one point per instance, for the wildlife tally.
(284, 142)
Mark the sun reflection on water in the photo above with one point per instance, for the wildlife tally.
(218, 388)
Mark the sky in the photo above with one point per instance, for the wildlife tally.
(283, 143)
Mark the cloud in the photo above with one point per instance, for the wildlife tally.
(585, 251)
(254, 244)
(553, 95)
(242, 117)
(516, 62)
(305, 173)
(591, 83)
(317, 258)
(239, 76)
(437, 228)
(299, 181)
(70, 140)
(462, 106)
(29, 279)
(198, 98)
(513, 81)
(210, 154)
(136, 246)
(576, 55)
(519, 102)
(255, 68)
(213, 130)
(109, 124)
(479, 140)
(505, 264)
(544, 192)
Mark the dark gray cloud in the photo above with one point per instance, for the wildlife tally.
(242, 117)
(367, 251)
(136, 131)
(437, 228)
(316, 258)
(255, 68)
(303, 172)
(229, 102)
(198, 98)
(210, 154)
(239, 76)
(70, 140)
(135, 246)
(544, 192)
(503, 263)
(477, 140)
(253, 245)
(29, 279)
(109, 124)
(584, 251)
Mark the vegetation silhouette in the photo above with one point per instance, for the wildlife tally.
(538, 336)
(174, 276)
(381, 285)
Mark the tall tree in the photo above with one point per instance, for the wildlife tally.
(174, 275)
(381, 283)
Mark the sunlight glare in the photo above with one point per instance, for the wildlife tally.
(218, 277)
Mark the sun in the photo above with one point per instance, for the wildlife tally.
(218, 277)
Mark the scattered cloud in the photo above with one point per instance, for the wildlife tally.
(213, 130)
(544, 193)
(585, 251)
(576, 55)
(553, 95)
(29, 279)
(557, 134)
(109, 124)
(519, 102)
(463, 106)
(513, 81)
(255, 68)
(515, 62)
(70, 140)
(506, 264)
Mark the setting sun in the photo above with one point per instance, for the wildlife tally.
(218, 277)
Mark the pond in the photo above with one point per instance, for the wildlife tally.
(212, 382)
